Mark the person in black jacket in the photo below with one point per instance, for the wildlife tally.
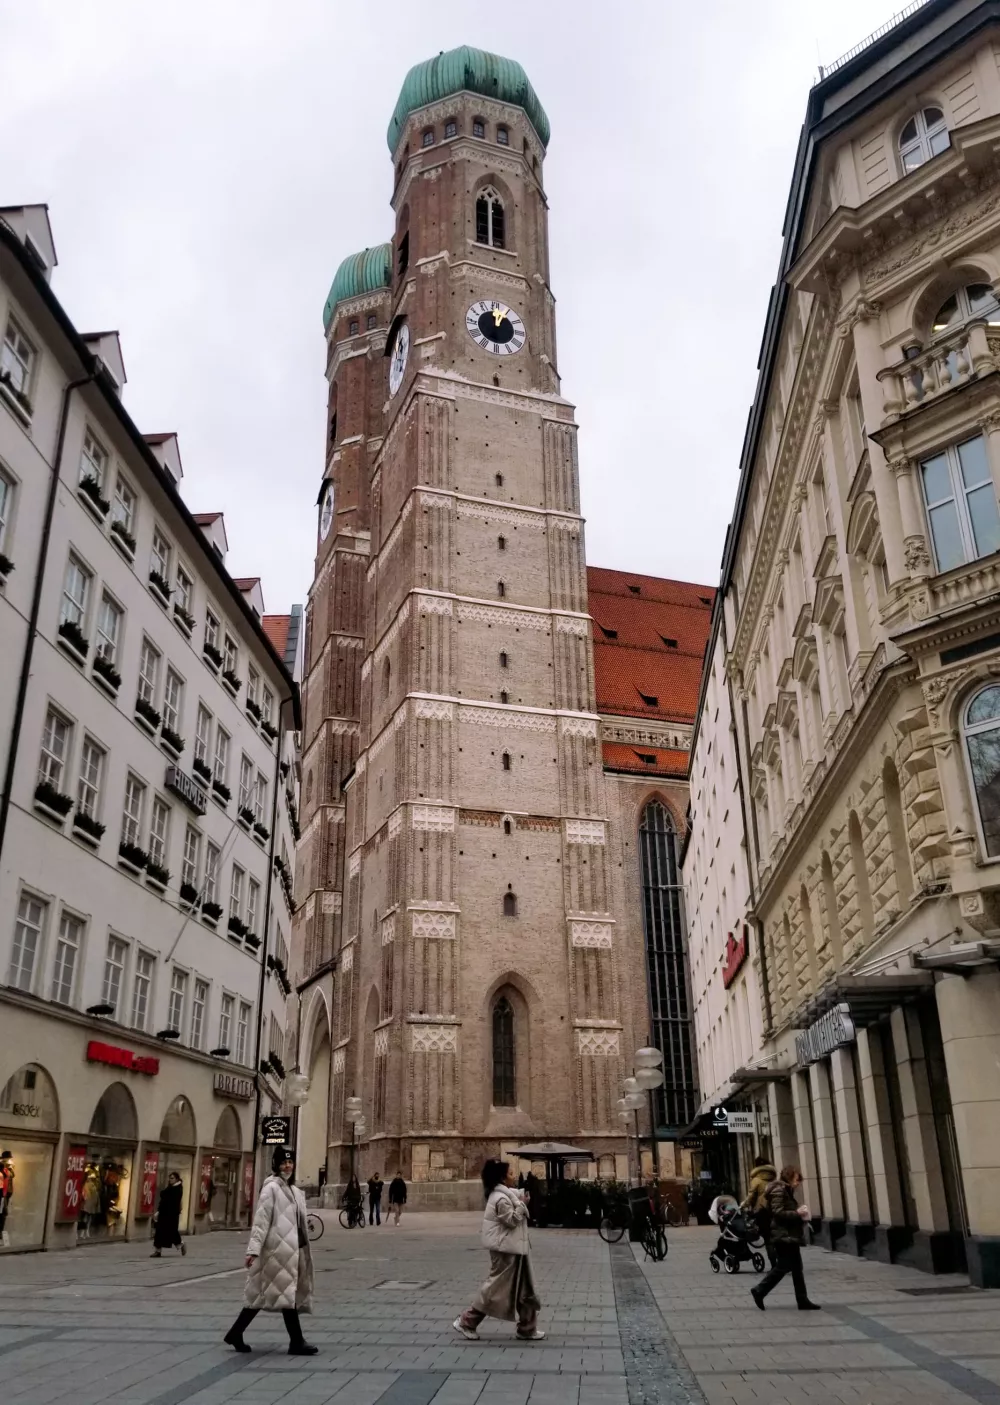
(397, 1196)
(375, 1187)
(788, 1228)
(167, 1224)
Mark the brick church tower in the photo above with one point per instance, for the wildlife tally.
(457, 899)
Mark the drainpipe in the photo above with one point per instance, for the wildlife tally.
(36, 602)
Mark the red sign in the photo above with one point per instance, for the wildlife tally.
(736, 954)
(205, 1184)
(248, 1182)
(147, 1201)
(72, 1186)
(121, 1058)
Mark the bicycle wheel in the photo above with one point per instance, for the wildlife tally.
(314, 1226)
(609, 1231)
(345, 1219)
(655, 1243)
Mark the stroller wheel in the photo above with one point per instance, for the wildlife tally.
(714, 1262)
(758, 1263)
(732, 1265)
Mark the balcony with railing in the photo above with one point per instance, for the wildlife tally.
(954, 360)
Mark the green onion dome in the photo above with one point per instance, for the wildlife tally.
(467, 70)
(360, 273)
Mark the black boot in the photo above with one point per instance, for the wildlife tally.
(234, 1337)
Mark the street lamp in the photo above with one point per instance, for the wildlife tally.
(355, 1115)
(649, 1076)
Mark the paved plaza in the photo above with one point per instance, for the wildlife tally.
(107, 1325)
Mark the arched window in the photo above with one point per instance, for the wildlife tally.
(490, 219)
(924, 136)
(506, 760)
(503, 136)
(860, 874)
(832, 916)
(982, 746)
(501, 589)
(509, 903)
(478, 127)
(504, 696)
(897, 833)
(974, 301)
(506, 827)
(805, 909)
(499, 480)
(663, 932)
(501, 543)
(504, 1085)
(428, 137)
(504, 658)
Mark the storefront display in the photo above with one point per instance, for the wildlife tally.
(225, 1186)
(178, 1139)
(107, 1174)
(29, 1127)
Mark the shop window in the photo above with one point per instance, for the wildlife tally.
(178, 1125)
(504, 1084)
(28, 1106)
(981, 726)
(925, 135)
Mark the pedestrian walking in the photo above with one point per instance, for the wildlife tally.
(509, 1291)
(167, 1220)
(354, 1201)
(788, 1230)
(761, 1176)
(376, 1185)
(280, 1276)
(397, 1196)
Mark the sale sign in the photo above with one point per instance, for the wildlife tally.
(147, 1197)
(205, 1184)
(248, 1182)
(71, 1199)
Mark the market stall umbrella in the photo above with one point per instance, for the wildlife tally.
(554, 1154)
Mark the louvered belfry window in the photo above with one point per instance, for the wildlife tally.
(503, 1054)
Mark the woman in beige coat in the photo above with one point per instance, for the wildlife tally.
(279, 1263)
(509, 1292)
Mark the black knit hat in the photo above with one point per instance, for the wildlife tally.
(281, 1154)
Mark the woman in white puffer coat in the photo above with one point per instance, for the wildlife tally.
(279, 1262)
(509, 1292)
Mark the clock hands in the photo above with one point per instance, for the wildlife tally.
(499, 313)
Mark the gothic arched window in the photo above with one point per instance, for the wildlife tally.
(924, 136)
(982, 745)
(663, 930)
(490, 219)
(504, 1091)
(509, 903)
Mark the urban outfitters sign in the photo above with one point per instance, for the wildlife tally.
(829, 1032)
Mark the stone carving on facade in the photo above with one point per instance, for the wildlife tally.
(498, 614)
(670, 738)
(331, 904)
(920, 604)
(391, 634)
(435, 710)
(567, 624)
(395, 823)
(584, 831)
(434, 605)
(577, 727)
(938, 232)
(862, 310)
(494, 513)
(590, 934)
(397, 530)
(492, 275)
(916, 556)
(434, 1038)
(504, 717)
(354, 864)
(435, 926)
(347, 959)
(381, 1042)
(389, 929)
(339, 1059)
(310, 907)
(598, 1042)
(437, 819)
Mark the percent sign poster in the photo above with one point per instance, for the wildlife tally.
(72, 1188)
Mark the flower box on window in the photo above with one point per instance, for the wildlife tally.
(283, 770)
(157, 876)
(6, 566)
(212, 654)
(52, 803)
(189, 895)
(160, 587)
(105, 675)
(184, 620)
(237, 928)
(88, 829)
(21, 403)
(275, 1061)
(123, 540)
(245, 817)
(202, 770)
(253, 709)
(269, 730)
(92, 497)
(132, 858)
(73, 640)
(221, 793)
(147, 716)
(251, 940)
(232, 680)
(171, 741)
(211, 912)
(261, 833)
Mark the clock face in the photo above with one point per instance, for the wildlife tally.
(496, 328)
(326, 513)
(397, 363)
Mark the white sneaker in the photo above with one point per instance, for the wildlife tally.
(535, 1336)
(469, 1332)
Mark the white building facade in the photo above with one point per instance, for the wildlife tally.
(142, 709)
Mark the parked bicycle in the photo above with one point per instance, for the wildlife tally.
(314, 1226)
(644, 1209)
(352, 1216)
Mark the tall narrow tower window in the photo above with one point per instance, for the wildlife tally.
(503, 1054)
(478, 127)
(490, 224)
(504, 659)
(509, 903)
(450, 129)
(499, 480)
(428, 137)
(506, 760)
(501, 543)
(503, 137)
(501, 589)
(404, 253)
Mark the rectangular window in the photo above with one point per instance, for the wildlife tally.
(142, 988)
(6, 507)
(221, 768)
(266, 704)
(236, 891)
(212, 856)
(961, 504)
(56, 738)
(173, 701)
(478, 128)
(76, 592)
(31, 914)
(159, 831)
(199, 1007)
(132, 814)
(202, 734)
(17, 358)
(109, 628)
(253, 684)
(231, 656)
(178, 1000)
(242, 1031)
(253, 903)
(159, 560)
(67, 952)
(211, 630)
(192, 856)
(246, 783)
(123, 505)
(226, 1022)
(114, 972)
(260, 799)
(149, 672)
(185, 589)
(88, 793)
(93, 459)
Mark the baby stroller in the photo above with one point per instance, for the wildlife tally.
(740, 1240)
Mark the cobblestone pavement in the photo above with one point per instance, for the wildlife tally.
(107, 1325)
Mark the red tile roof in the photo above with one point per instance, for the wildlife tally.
(649, 642)
(644, 760)
(276, 629)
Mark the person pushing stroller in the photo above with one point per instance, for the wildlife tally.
(740, 1239)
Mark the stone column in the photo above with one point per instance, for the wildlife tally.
(969, 1010)
(916, 551)
(852, 1149)
(989, 423)
(784, 1138)
(803, 1135)
(926, 1184)
(881, 1147)
(827, 1153)
(871, 359)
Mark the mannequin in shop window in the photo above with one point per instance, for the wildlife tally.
(90, 1199)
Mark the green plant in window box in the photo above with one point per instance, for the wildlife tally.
(46, 794)
(161, 584)
(270, 730)
(211, 653)
(213, 911)
(202, 770)
(172, 739)
(87, 823)
(6, 566)
(232, 678)
(90, 487)
(253, 709)
(222, 790)
(148, 712)
(133, 854)
(122, 533)
(157, 873)
(185, 616)
(74, 635)
(106, 670)
(189, 894)
(246, 815)
(19, 395)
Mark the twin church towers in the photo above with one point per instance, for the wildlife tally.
(469, 890)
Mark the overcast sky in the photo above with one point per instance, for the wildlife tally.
(207, 165)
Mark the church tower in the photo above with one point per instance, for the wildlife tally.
(455, 854)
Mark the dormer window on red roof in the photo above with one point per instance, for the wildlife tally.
(650, 699)
(648, 758)
(635, 589)
(670, 643)
(608, 633)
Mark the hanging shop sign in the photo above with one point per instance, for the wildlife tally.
(276, 1131)
(186, 789)
(147, 1196)
(121, 1058)
(248, 1180)
(735, 955)
(231, 1085)
(831, 1031)
(720, 1118)
(742, 1119)
(205, 1184)
(71, 1195)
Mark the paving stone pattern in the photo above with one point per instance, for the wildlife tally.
(107, 1325)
